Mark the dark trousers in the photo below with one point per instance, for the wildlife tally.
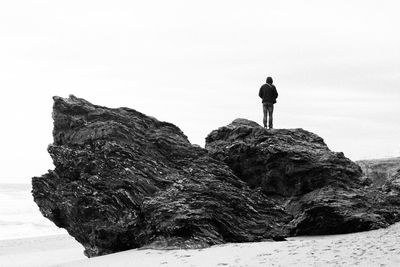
(268, 109)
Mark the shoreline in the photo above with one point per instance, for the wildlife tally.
(50, 250)
(372, 248)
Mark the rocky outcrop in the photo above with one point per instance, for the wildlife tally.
(125, 180)
(285, 162)
(381, 173)
(324, 191)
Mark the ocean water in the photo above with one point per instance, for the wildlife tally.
(20, 216)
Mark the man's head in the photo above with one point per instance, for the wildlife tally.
(269, 80)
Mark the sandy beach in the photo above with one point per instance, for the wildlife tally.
(40, 251)
(373, 248)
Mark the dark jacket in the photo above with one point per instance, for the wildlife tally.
(268, 93)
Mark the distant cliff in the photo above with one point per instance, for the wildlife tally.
(124, 180)
(383, 173)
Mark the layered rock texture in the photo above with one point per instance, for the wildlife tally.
(285, 162)
(325, 192)
(124, 180)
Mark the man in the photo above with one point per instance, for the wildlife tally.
(269, 95)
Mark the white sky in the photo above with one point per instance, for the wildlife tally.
(199, 65)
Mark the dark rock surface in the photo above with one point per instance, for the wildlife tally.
(124, 180)
(323, 190)
(286, 162)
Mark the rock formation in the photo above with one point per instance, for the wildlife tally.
(323, 190)
(125, 180)
(381, 173)
(285, 162)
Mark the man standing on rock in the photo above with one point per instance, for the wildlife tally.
(269, 95)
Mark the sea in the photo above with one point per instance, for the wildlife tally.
(20, 216)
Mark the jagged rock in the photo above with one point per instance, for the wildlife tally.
(124, 180)
(286, 162)
(331, 210)
(323, 190)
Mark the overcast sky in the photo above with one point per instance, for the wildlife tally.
(199, 65)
